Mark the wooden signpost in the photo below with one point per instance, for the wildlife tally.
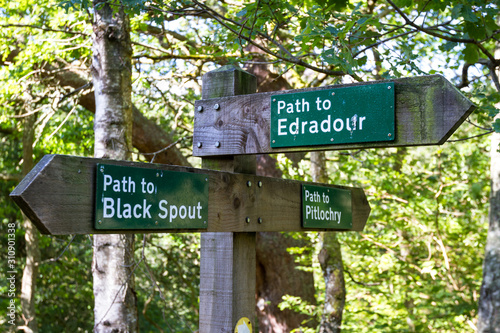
(226, 201)
(427, 110)
(230, 202)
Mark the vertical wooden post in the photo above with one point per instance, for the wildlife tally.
(228, 260)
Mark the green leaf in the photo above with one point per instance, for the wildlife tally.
(496, 125)
(471, 53)
(468, 14)
(448, 46)
(456, 11)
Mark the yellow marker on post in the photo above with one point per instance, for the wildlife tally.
(243, 326)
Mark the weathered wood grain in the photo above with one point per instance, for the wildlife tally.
(228, 259)
(58, 196)
(428, 110)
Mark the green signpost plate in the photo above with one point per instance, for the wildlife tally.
(326, 207)
(346, 115)
(143, 198)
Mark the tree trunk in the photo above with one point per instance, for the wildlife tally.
(277, 273)
(30, 271)
(330, 259)
(115, 307)
(489, 300)
(147, 136)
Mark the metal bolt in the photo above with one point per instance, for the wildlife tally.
(199, 108)
(259, 220)
(156, 222)
(274, 141)
(157, 174)
(389, 135)
(333, 94)
(100, 222)
(217, 144)
(249, 183)
(216, 106)
(102, 169)
(199, 144)
(259, 183)
(79, 171)
(331, 139)
(274, 99)
(389, 87)
(247, 220)
(204, 222)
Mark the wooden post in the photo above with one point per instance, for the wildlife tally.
(228, 260)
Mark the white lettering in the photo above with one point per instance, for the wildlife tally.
(325, 125)
(107, 181)
(305, 105)
(339, 127)
(295, 125)
(199, 210)
(173, 212)
(145, 209)
(282, 126)
(281, 105)
(361, 122)
(314, 127)
(182, 212)
(108, 208)
(127, 211)
(163, 209)
(150, 188)
(137, 215)
(327, 104)
(318, 102)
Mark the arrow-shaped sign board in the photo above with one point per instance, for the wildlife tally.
(75, 195)
(397, 113)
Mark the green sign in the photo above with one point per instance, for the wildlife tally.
(349, 115)
(326, 207)
(143, 198)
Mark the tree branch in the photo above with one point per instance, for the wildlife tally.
(430, 31)
(290, 59)
(44, 29)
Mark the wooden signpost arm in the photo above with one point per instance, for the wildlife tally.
(228, 260)
(427, 111)
(61, 189)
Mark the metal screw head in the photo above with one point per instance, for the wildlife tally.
(249, 183)
(216, 106)
(102, 169)
(389, 135)
(389, 87)
(156, 222)
(199, 108)
(333, 94)
(217, 144)
(100, 222)
(247, 220)
(199, 144)
(259, 183)
(259, 220)
(331, 139)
